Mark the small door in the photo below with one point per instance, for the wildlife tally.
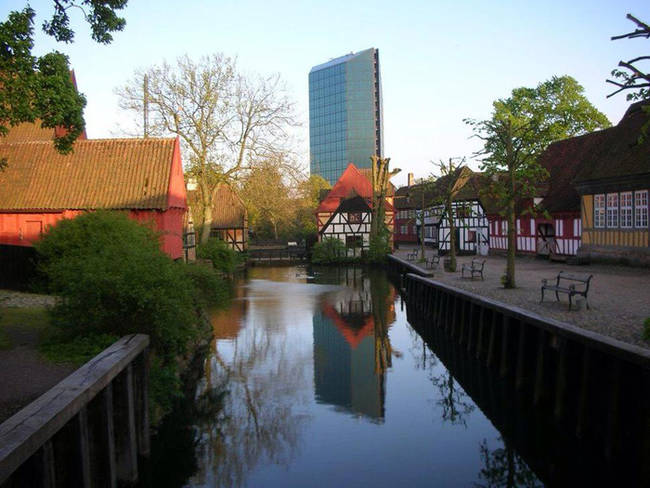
(545, 239)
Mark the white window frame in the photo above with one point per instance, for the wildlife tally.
(625, 201)
(599, 211)
(641, 209)
(612, 211)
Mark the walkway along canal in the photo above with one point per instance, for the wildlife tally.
(315, 376)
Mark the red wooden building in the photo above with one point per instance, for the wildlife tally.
(143, 177)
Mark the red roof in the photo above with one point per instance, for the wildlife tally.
(352, 183)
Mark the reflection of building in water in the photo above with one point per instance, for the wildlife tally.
(345, 354)
(226, 322)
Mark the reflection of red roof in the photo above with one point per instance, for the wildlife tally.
(352, 183)
(352, 335)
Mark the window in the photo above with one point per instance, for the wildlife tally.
(626, 209)
(353, 242)
(641, 209)
(354, 218)
(403, 229)
(471, 236)
(599, 211)
(612, 210)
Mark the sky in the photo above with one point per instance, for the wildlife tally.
(441, 61)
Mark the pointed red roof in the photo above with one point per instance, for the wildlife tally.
(352, 183)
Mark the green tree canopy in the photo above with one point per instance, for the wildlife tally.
(40, 88)
(518, 130)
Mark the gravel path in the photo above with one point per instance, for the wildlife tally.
(619, 296)
(24, 373)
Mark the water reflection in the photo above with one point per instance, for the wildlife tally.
(504, 468)
(351, 346)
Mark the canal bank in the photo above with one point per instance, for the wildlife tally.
(619, 296)
(318, 374)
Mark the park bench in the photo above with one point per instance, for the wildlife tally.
(429, 263)
(570, 284)
(412, 256)
(474, 269)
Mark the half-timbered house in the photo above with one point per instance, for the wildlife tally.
(468, 214)
(613, 185)
(229, 221)
(345, 213)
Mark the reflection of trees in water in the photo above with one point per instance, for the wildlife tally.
(381, 293)
(257, 423)
(455, 404)
(504, 468)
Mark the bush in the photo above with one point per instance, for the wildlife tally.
(222, 256)
(113, 279)
(379, 247)
(210, 288)
(329, 251)
(646, 329)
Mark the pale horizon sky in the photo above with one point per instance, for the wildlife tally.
(441, 61)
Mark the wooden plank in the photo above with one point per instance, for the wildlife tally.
(24, 433)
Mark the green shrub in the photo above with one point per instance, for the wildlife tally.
(222, 256)
(78, 350)
(379, 247)
(329, 251)
(113, 279)
(210, 288)
(646, 329)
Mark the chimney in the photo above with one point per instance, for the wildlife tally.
(411, 180)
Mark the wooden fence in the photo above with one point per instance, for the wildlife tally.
(88, 430)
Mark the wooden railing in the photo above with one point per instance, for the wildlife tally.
(87, 430)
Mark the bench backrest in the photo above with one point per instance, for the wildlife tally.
(478, 263)
(584, 279)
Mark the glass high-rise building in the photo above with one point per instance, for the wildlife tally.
(345, 113)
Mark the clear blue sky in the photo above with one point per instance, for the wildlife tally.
(441, 61)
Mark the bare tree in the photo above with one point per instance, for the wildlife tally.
(225, 120)
(633, 76)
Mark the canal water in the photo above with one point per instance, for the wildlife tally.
(315, 378)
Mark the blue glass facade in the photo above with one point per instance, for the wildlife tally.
(345, 123)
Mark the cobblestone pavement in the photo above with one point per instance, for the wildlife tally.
(619, 296)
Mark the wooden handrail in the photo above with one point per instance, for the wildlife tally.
(29, 429)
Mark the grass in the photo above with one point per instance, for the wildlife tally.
(23, 324)
(31, 326)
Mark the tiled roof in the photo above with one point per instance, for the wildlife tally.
(28, 131)
(99, 173)
(564, 160)
(617, 152)
(228, 211)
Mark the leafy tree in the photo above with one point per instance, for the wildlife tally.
(40, 88)
(226, 121)
(519, 129)
(633, 77)
(223, 257)
(309, 191)
(329, 250)
(267, 195)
